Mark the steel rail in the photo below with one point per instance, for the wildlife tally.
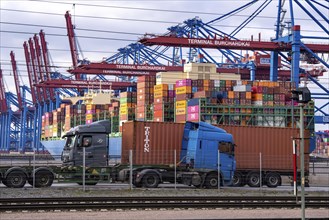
(32, 204)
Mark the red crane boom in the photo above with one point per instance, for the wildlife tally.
(33, 64)
(84, 84)
(39, 63)
(17, 84)
(226, 43)
(137, 70)
(3, 103)
(29, 71)
(46, 60)
(73, 46)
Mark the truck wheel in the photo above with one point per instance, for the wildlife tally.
(151, 181)
(273, 180)
(211, 181)
(15, 179)
(253, 179)
(238, 180)
(43, 179)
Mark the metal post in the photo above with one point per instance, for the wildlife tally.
(218, 170)
(295, 167)
(175, 167)
(302, 183)
(34, 168)
(260, 170)
(131, 169)
(84, 169)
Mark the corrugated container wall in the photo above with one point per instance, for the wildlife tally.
(151, 142)
(274, 144)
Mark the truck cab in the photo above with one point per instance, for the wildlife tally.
(93, 138)
(209, 148)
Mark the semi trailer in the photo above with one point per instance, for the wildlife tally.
(196, 154)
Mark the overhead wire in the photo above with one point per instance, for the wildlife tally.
(123, 32)
(148, 9)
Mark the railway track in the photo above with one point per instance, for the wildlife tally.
(97, 203)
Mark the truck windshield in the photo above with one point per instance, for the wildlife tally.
(69, 142)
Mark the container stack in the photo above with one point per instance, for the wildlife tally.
(193, 110)
(322, 143)
(90, 111)
(127, 106)
(163, 103)
(145, 96)
(58, 121)
(114, 110)
(183, 93)
(48, 124)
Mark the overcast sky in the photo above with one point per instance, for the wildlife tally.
(98, 23)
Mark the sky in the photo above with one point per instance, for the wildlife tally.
(102, 27)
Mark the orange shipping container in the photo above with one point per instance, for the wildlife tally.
(230, 94)
(257, 96)
(248, 95)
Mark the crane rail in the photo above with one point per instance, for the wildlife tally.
(81, 203)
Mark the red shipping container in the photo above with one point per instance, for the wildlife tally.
(157, 119)
(274, 143)
(158, 107)
(158, 114)
(160, 100)
(183, 97)
(180, 118)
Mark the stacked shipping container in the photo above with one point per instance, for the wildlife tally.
(127, 106)
(163, 105)
(145, 96)
(183, 93)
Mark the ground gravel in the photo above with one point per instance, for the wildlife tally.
(123, 190)
(170, 214)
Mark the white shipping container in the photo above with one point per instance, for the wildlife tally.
(242, 88)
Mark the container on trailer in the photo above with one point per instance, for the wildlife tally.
(151, 142)
(274, 144)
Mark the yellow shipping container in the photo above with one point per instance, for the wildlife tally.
(123, 111)
(184, 90)
(89, 116)
(180, 111)
(127, 105)
(159, 94)
(181, 104)
(160, 87)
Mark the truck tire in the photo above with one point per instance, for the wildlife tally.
(151, 180)
(15, 179)
(238, 180)
(211, 181)
(43, 179)
(253, 179)
(273, 180)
